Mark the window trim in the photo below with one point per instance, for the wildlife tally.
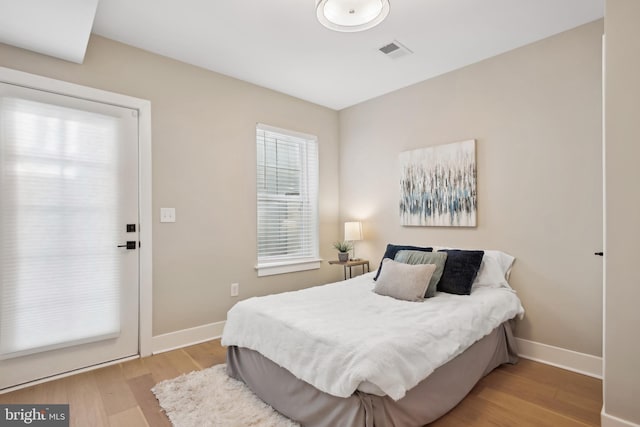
(288, 266)
(293, 133)
(282, 266)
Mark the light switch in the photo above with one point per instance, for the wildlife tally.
(167, 214)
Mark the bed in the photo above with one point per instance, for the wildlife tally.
(343, 355)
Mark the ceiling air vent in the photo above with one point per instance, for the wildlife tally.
(395, 50)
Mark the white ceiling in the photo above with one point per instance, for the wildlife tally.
(55, 28)
(279, 44)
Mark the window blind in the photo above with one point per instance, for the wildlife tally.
(287, 196)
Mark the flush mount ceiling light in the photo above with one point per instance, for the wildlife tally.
(351, 15)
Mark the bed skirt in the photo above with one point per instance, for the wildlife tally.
(427, 401)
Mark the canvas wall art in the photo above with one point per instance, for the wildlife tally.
(438, 185)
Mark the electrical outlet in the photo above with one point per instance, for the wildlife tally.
(235, 289)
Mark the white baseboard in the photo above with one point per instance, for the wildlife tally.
(570, 360)
(611, 421)
(186, 337)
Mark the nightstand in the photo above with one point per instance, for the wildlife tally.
(351, 263)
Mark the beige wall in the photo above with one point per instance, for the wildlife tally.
(204, 166)
(536, 114)
(622, 180)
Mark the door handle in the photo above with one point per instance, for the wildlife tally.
(131, 244)
(599, 253)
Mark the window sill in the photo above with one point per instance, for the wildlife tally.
(273, 268)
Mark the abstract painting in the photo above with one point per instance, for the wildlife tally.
(438, 185)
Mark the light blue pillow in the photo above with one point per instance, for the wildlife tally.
(419, 257)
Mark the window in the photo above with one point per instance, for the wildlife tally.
(287, 196)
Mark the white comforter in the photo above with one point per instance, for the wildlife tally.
(339, 336)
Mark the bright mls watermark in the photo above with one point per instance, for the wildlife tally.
(34, 415)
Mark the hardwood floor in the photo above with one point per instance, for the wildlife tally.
(526, 394)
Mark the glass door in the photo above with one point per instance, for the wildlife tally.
(68, 234)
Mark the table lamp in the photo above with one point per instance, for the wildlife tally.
(353, 232)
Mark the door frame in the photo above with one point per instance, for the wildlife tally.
(143, 107)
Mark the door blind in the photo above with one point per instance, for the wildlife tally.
(58, 274)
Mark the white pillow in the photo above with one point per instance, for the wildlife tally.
(404, 281)
(504, 260)
(494, 271)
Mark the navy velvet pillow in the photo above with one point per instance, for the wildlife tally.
(460, 270)
(392, 250)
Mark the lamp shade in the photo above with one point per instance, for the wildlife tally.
(353, 230)
(351, 15)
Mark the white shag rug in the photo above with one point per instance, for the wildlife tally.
(211, 398)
